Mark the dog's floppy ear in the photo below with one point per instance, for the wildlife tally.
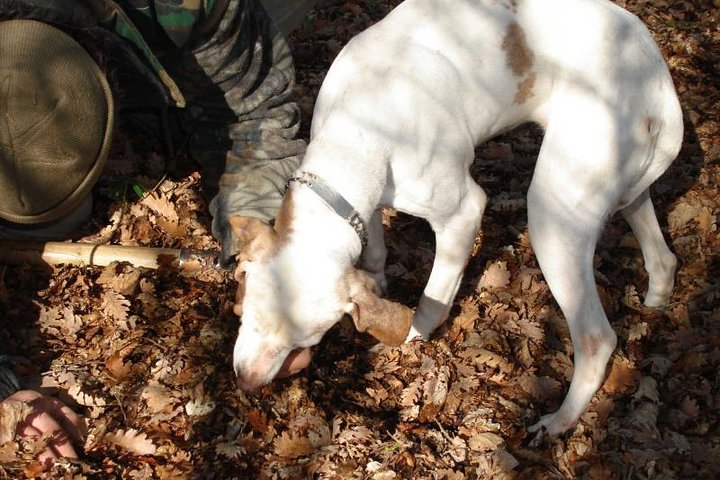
(387, 321)
(257, 238)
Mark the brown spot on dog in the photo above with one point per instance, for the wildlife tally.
(256, 239)
(284, 219)
(525, 89)
(650, 125)
(518, 55)
(591, 344)
(389, 322)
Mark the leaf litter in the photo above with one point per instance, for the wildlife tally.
(145, 355)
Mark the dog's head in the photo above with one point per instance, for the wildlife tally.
(290, 302)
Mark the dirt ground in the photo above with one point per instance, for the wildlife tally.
(145, 355)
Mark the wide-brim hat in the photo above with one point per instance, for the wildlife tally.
(56, 121)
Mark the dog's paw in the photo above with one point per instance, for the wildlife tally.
(549, 427)
(414, 335)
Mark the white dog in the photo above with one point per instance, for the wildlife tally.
(396, 123)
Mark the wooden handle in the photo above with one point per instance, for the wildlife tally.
(13, 252)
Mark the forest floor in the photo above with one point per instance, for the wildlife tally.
(145, 355)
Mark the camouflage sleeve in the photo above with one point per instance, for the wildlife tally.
(237, 82)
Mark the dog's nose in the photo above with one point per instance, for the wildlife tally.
(248, 383)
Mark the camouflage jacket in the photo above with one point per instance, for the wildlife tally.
(225, 70)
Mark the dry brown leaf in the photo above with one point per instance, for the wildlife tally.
(258, 421)
(358, 434)
(230, 450)
(8, 452)
(161, 205)
(115, 305)
(117, 367)
(198, 407)
(436, 388)
(492, 360)
(647, 389)
(465, 320)
(133, 441)
(160, 400)
(448, 474)
(495, 276)
(60, 320)
(85, 399)
(121, 278)
(411, 393)
(485, 442)
(623, 376)
(288, 445)
(12, 413)
(644, 417)
(530, 329)
(540, 389)
(637, 331)
(173, 228)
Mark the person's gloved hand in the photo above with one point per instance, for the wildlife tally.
(49, 416)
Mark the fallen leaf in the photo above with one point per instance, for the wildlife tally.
(485, 442)
(288, 445)
(115, 305)
(133, 441)
(495, 276)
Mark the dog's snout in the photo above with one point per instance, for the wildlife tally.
(248, 382)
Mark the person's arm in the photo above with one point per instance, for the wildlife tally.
(238, 82)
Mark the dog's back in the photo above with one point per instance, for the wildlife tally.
(438, 73)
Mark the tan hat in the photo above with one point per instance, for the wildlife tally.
(56, 119)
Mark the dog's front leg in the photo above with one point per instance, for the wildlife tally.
(375, 252)
(455, 235)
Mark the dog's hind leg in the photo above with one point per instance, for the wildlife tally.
(564, 252)
(660, 263)
(568, 203)
(454, 234)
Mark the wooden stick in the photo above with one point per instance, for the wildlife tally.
(14, 252)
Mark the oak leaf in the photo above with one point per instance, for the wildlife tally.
(161, 205)
(133, 441)
(637, 331)
(495, 276)
(85, 399)
(115, 305)
(623, 376)
(12, 413)
(647, 389)
(200, 406)
(230, 450)
(121, 278)
(485, 442)
(411, 393)
(288, 445)
(158, 398)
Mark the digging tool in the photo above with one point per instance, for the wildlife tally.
(14, 252)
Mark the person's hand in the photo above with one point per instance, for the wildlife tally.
(49, 416)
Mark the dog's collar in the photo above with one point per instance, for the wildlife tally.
(334, 200)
